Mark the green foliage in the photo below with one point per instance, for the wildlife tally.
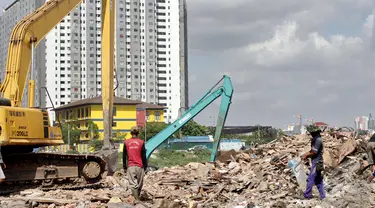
(96, 144)
(152, 128)
(168, 158)
(192, 128)
(280, 133)
(312, 128)
(93, 130)
(71, 130)
(119, 136)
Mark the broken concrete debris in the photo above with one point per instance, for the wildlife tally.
(259, 177)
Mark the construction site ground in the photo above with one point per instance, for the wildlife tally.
(259, 177)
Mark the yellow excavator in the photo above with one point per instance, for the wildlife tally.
(22, 129)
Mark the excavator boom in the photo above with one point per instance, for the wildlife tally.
(226, 91)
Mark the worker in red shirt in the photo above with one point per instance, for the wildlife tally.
(135, 162)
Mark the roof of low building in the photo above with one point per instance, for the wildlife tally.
(150, 106)
(98, 101)
(320, 124)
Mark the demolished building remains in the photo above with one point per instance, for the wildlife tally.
(259, 177)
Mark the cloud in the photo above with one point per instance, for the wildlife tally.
(285, 58)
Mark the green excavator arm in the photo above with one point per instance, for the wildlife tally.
(226, 91)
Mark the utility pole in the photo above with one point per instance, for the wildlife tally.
(300, 124)
(146, 126)
(92, 131)
(69, 135)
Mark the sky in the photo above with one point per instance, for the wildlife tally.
(284, 58)
(5, 3)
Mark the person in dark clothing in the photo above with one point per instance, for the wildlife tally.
(135, 162)
(371, 157)
(316, 171)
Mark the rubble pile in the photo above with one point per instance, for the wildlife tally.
(259, 177)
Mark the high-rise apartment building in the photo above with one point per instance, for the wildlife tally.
(371, 122)
(361, 122)
(73, 56)
(8, 20)
(172, 56)
(150, 54)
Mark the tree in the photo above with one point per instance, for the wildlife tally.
(119, 136)
(93, 130)
(152, 128)
(70, 131)
(280, 133)
(192, 128)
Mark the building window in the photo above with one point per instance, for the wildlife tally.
(114, 111)
(157, 115)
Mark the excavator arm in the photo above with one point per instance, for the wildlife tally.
(226, 91)
(26, 35)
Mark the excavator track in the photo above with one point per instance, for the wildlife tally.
(48, 170)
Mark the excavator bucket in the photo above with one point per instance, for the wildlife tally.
(110, 156)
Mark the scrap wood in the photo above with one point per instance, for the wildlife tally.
(175, 182)
(215, 195)
(99, 198)
(231, 156)
(277, 196)
(41, 200)
(346, 149)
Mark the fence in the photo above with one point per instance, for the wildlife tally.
(81, 148)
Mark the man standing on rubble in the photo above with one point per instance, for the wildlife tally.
(135, 162)
(316, 155)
